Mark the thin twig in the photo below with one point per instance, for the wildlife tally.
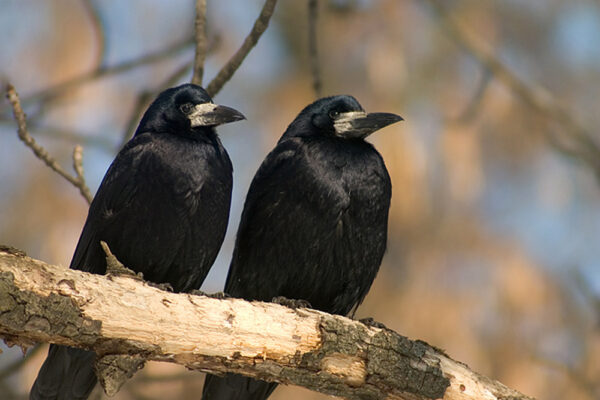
(78, 167)
(105, 71)
(201, 42)
(38, 150)
(313, 50)
(260, 25)
(536, 97)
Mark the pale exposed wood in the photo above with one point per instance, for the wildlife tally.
(120, 315)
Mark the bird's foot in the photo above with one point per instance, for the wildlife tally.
(197, 292)
(217, 295)
(167, 287)
(370, 322)
(291, 303)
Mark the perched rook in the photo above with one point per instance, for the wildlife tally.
(162, 208)
(314, 224)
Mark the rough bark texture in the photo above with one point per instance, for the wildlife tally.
(119, 315)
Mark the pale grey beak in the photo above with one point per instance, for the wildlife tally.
(209, 114)
(359, 124)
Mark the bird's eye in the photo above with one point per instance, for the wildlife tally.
(333, 114)
(186, 108)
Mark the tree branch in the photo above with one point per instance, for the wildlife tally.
(577, 141)
(201, 42)
(118, 315)
(78, 180)
(104, 71)
(260, 25)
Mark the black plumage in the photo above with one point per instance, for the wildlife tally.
(162, 208)
(314, 225)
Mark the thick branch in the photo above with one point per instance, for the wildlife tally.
(260, 25)
(331, 354)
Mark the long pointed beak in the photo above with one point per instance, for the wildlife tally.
(209, 114)
(358, 124)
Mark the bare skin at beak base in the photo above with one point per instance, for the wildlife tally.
(361, 124)
(209, 114)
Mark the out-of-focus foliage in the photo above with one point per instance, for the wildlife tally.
(492, 251)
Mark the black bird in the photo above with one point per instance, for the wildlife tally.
(314, 225)
(162, 208)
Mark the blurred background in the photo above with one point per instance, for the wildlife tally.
(493, 248)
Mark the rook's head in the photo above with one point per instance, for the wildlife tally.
(185, 109)
(339, 116)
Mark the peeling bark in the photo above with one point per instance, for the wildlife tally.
(119, 315)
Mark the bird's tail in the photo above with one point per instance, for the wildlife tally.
(67, 374)
(236, 387)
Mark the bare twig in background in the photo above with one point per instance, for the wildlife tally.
(575, 140)
(98, 29)
(313, 50)
(78, 181)
(260, 25)
(78, 167)
(201, 42)
(105, 71)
